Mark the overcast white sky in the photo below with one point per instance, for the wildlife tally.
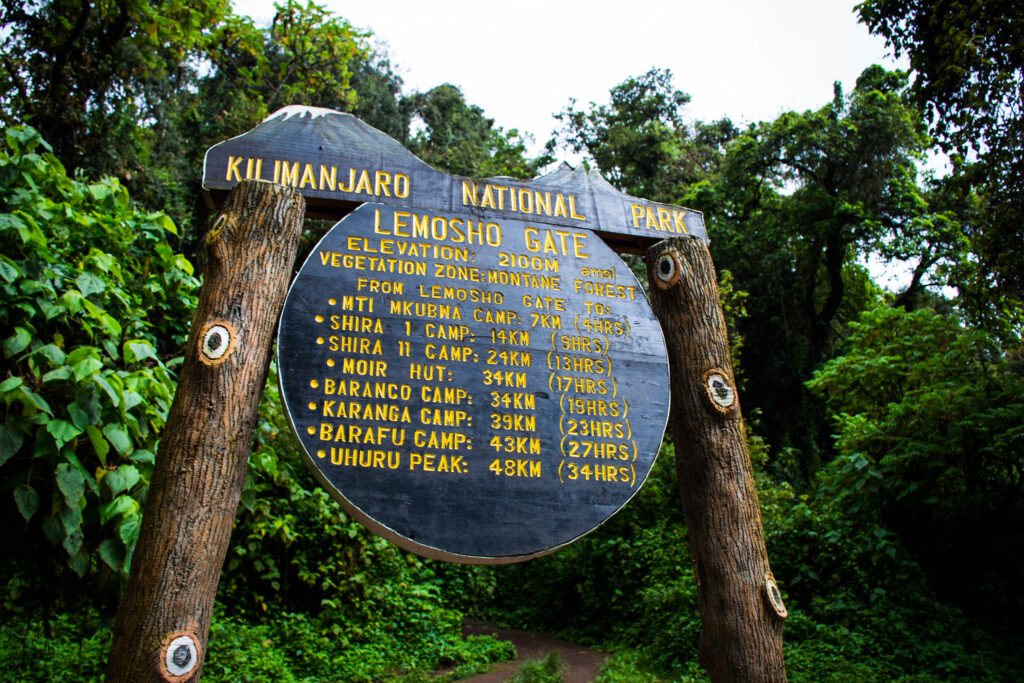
(521, 61)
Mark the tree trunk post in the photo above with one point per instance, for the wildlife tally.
(163, 619)
(742, 612)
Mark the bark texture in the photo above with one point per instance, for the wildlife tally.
(742, 614)
(164, 617)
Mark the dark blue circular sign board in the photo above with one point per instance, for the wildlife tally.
(473, 390)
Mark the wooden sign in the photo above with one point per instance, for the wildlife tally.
(338, 162)
(472, 388)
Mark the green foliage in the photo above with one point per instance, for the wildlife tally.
(96, 303)
(378, 96)
(83, 74)
(458, 138)
(140, 90)
(733, 302)
(298, 647)
(968, 61)
(305, 56)
(640, 141)
(799, 201)
(860, 606)
(306, 594)
(548, 669)
(930, 420)
(625, 666)
(72, 647)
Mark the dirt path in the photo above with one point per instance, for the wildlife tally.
(581, 663)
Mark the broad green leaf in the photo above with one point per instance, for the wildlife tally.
(79, 563)
(129, 529)
(122, 505)
(110, 324)
(71, 483)
(132, 423)
(70, 519)
(99, 444)
(8, 270)
(167, 224)
(10, 441)
(17, 342)
(92, 309)
(74, 538)
(9, 221)
(54, 354)
(62, 431)
(102, 260)
(22, 138)
(73, 460)
(99, 191)
(31, 234)
(89, 284)
(87, 367)
(119, 438)
(58, 375)
(144, 456)
(37, 419)
(113, 482)
(27, 500)
(52, 529)
(10, 384)
(79, 416)
(80, 353)
(112, 552)
(132, 399)
(138, 350)
(30, 287)
(115, 398)
(184, 264)
(34, 399)
(53, 309)
(130, 476)
(72, 300)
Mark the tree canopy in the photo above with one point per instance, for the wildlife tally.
(968, 64)
(641, 141)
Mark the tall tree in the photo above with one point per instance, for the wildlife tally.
(641, 141)
(306, 55)
(457, 137)
(83, 73)
(805, 196)
(968, 61)
(139, 90)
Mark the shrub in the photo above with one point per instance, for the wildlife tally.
(96, 304)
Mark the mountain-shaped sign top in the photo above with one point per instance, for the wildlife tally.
(338, 161)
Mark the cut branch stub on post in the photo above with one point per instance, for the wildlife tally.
(741, 609)
(164, 617)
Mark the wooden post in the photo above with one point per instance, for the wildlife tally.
(742, 613)
(164, 617)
